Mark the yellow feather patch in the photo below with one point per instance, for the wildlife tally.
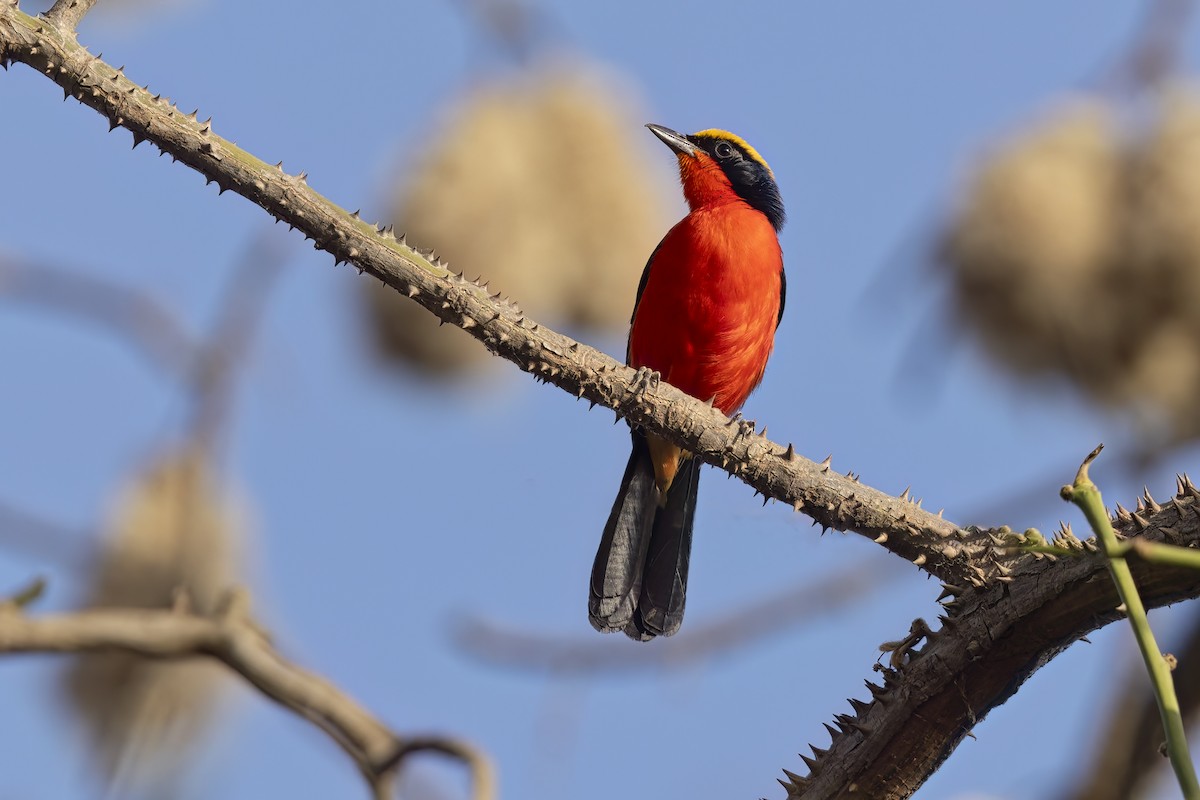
(717, 133)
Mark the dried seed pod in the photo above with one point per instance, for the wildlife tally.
(1161, 387)
(171, 539)
(1077, 253)
(1165, 228)
(545, 185)
(1033, 244)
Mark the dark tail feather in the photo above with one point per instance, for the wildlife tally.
(617, 573)
(664, 576)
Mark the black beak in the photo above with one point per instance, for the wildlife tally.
(676, 141)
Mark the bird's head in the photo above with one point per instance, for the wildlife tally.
(714, 163)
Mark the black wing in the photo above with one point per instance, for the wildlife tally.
(782, 293)
(638, 297)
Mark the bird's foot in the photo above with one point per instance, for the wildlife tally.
(644, 380)
(745, 427)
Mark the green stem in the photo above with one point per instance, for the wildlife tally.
(1086, 495)
(1160, 553)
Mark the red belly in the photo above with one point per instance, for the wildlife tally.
(707, 315)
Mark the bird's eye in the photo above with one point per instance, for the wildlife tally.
(723, 150)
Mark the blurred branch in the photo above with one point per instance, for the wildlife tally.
(772, 616)
(1154, 50)
(240, 310)
(140, 320)
(29, 533)
(1127, 752)
(233, 638)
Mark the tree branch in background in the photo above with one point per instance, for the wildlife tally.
(138, 319)
(770, 617)
(25, 532)
(233, 638)
(241, 307)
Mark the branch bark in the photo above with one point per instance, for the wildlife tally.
(991, 640)
(234, 639)
(1010, 613)
(834, 501)
(67, 14)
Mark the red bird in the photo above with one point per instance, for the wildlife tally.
(707, 307)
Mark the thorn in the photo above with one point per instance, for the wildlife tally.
(904, 495)
(919, 560)
(881, 538)
(1140, 522)
(827, 463)
(811, 763)
(859, 706)
(797, 780)
(865, 730)
(790, 453)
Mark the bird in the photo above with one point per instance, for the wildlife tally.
(704, 319)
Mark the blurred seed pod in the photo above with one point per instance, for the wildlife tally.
(544, 185)
(1076, 252)
(1161, 388)
(1165, 228)
(172, 538)
(1033, 244)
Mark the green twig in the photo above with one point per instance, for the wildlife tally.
(1086, 495)
(1161, 553)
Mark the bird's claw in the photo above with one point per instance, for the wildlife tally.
(745, 427)
(644, 380)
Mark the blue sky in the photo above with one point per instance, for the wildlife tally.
(386, 508)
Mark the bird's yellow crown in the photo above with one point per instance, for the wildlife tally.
(733, 138)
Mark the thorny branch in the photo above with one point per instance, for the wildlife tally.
(66, 14)
(990, 641)
(234, 639)
(832, 500)
(986, 646)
